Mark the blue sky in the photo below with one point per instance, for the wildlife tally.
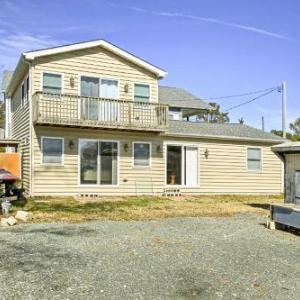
(210, 47)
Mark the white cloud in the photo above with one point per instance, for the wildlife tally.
(25, 42)
(211, 20)
(12, 45)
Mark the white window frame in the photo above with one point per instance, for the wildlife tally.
(260, 170)
(141, 83)
(98, 184)
(25, 88)
(63, 150)
(182, 145)
(150, 155)
(53, 73)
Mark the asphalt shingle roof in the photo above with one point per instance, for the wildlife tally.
(177, 97)
(6, 76)
(226, 130)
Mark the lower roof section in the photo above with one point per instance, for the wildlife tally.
(228, 131)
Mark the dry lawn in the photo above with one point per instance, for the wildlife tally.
(144, 208)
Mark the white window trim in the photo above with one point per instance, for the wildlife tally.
(98, 184)
(25, 98)
(141, 83)
(260, 170)
(182, 145)
(62, 155)
(23, 91)
(150, 155)
(54, 73)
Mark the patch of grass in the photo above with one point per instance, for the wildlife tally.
(144, 208)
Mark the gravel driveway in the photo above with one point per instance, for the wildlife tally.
(188, 258)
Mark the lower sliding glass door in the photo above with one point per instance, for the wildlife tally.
(182, 165)
(98, 162)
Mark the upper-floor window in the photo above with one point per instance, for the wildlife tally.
(141, 92)
(175, 113)
(254, 161)
(25, 91)
(52, 83)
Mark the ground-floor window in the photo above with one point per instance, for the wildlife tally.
(52, 149)
(141, 154)
(182, 165)
(98, 162)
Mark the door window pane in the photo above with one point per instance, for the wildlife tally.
(141, 92)
(109, 89)
(88, 162)
(52, 83)
(108, 163)
(174, 165)
(141, 153)
(52, 150)
(90, 88)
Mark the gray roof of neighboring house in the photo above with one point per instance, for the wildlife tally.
(6, 76)
(177, 97)
(222, 131)
(287, 147)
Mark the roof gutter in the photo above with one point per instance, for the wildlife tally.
(216, 137)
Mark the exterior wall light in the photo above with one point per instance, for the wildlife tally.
(126, 147)
(206, 153)
(126, 87)
(71, 144)
(158, 148)
(72, 82)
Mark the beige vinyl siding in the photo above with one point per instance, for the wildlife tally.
(223, 172)
(20, 130)
(292, 164)
(64, 179)
(95, 62)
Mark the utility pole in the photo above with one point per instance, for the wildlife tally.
(283, 94)
(263, 123)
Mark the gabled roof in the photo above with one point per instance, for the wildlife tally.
(177, 97)
(6, 77)
(227, 131)
(31, 55)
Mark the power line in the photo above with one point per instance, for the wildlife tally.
(231, 96)
(251, 100)
(244, 94)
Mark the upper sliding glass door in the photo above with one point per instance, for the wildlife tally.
(98, 162)
(99, 104)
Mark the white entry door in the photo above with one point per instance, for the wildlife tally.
(191, 166)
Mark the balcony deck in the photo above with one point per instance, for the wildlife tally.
(89, 112)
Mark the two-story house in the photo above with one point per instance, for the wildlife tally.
(93, 120)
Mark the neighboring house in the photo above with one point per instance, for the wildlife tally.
(92, 120)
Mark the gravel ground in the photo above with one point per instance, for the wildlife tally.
(187, 258)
